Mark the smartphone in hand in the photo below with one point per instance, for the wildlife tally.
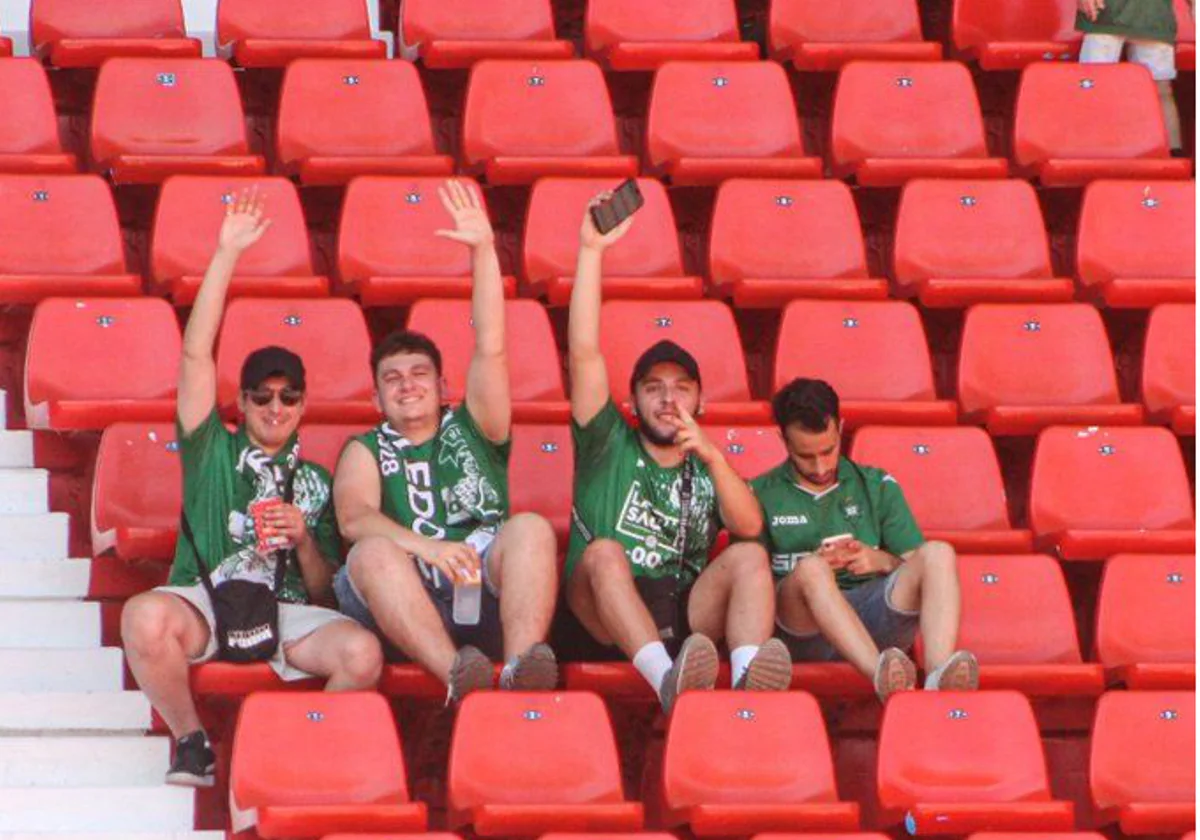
(624, 202)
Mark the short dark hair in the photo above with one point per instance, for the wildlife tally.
(811, 403)
(405, 341)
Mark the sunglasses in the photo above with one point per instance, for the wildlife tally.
(287, 396)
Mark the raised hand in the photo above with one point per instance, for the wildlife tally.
(244, 222)
(593, 239)
(471, 224)
(1091, 8)
(691, 438)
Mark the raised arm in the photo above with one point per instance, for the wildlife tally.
(589, 378)
(740, 510)
(244, 225)
(488, 395)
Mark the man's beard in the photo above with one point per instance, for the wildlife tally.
(656, 437)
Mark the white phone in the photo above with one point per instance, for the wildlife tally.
(830, 542)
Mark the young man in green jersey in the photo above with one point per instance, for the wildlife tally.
(647, 508)
(224, 475)
(424, 498)
(855, 574)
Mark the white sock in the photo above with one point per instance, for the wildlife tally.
(739, 660)
(931, 679)
(653, 662)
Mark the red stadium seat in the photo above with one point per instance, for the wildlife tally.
(1169, 367)
(1100, 491)
(525, 121)
(270, 33)
(736, 763)
(80, 33)
(705, 327)
(1010, 376)
(339, 119)
(645, 264)
(155, 117)
(893, 121)
(1137, 242)
(457, 33)
(631, 35)
(1009, 35)
(822, 35)
(323, 444)
(873, 353)
(1185, 38)
(59, 237)
(951, 480)
(964, 242)
(570, 781)
(751, 249)
(710, 121)
(281, 778)
(1064, 133)
(1146, 621)
(1143, 765)
(29, 140)
(541, 474)
(957, 762)
(750, 450)
(137, 492)
(329, 335)
(186, 225)
(5, 47)
(93, 362)
(533, 366)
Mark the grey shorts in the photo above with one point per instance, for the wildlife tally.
(872, 601)
(1156, 56)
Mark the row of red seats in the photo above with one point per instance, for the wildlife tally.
(891, 122)
(956, 243)
(734, 764)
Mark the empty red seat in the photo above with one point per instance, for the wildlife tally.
(1064, 133)
(956, 762)
(873, 353)
(541, 474)
(709, 121)
(79, 33)
(534, 371)
(342, 118)
(752, 251)
(750, 450)
(894, 120)
(1007, 36)
(822, 35)
(964, 242)
(323, 444)
(59, 236)
(1137, 242)
(1143, 764)
(188, 220)
(281, 778)
(155, 117)
(525, 764)
(95, 361)
(1102, 491)
(951, 480)
(523, 121)
(270, 33)
(630, 35)
(5, 47)
(329, 335)
(1010, 372)
(457, 33)
(29, 140)
(1185, 38)
(1169, 367)
(736, 763)
(137, 492)
(1146, 621)
(645, 263)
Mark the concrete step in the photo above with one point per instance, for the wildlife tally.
(24, 492)
(49, 624)
(74, 713)
(117, 809)
(44, 579)
(84, 762)
(88, 669)
(16, 449)
(40, 536)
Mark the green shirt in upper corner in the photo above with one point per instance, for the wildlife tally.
(1142, 20)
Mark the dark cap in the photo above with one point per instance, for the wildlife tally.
(664, 351)
(266, 362)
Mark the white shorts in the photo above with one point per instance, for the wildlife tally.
(1156, 56)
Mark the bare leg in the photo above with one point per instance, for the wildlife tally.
(928, 581)
(734, 598)
(523, 565)
(343, 651)
(604, 598)
(810, 602)
(1166, 97)
(162, 633)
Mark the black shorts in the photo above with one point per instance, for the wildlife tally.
(667, 602)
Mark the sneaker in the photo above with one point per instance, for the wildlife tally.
(534, 670)
(769, 670)
(695, 669)
(894, 672)
(194, 763)
(958, 673)
(471, 671)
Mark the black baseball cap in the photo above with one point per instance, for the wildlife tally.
(664, 351)
(266, 362)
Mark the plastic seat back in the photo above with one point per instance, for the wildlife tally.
(818, 35)
(137, 492)
(76, 33)
(1146, 613)
(29, 140)
(628, 35)
(457, 33)
(1007, 36)
(541, 474)
(1169, 366)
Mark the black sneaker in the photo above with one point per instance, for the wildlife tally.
(194, 762)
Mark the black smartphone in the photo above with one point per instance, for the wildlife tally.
(624, 202)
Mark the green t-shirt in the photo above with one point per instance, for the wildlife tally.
(1145, 20)
(218, 488)
(621, 493)
(866, 502)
